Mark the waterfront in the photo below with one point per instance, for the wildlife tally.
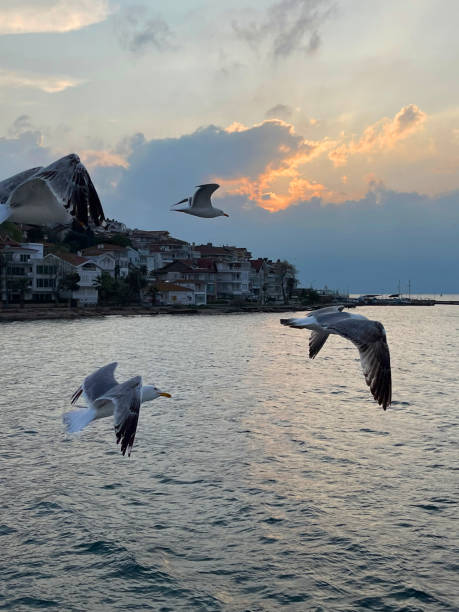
(267, 482)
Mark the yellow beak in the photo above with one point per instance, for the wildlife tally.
(166, 394)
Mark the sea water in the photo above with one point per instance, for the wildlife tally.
(267, 482)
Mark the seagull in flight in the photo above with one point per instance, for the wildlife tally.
(368, 336)
(53, 196)
(200, 204)
(105, 397)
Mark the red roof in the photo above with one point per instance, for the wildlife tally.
(106, 250)
(164, 287)
(75, 260)
(256, 264)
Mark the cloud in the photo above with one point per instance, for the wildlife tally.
(367, 243)
(46, 83)
(30, 16)
(279, 111)
(102, 159)
(286, 27)
(138, 29)
(382, 135)
(23, 148)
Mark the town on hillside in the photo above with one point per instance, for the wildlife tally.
(120, 266)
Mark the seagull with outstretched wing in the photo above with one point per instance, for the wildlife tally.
(105, 397)
(200, 204)
(53, 196)
(368, 336)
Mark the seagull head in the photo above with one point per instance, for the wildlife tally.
(221, 213)
(151, 392)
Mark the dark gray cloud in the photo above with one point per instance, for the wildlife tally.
(279, 111)
(139, 29)
(287, 26)
(365, 245)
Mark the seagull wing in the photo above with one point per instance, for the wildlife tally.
(177, 203)
(316, 341)
(70, 183)
(97, 383)
(370, 338)
(9, 185)
(126, 399)
(201, 197)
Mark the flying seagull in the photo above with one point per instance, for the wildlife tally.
(368, 336)
(199, 204)
(53, 196)
(105, 397)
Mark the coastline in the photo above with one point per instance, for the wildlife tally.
(41, 313)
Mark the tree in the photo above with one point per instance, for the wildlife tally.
(136, 281)
(309, 296)
(19, 285)
(11, 229)
(69, 282)
(106, 287)
(286, 276)
(119, 239)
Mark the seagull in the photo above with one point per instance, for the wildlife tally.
(105, 397)
(368, 336)
(53, 196)
(200, 205)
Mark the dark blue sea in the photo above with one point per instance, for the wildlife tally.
(267, 482)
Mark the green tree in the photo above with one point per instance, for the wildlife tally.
(11, 229)
(69, 282)
(119, 239)
(309, 296)
(106, 287)
(19, 285)
(286, 276)
(136, 281)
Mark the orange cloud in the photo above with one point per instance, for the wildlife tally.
(382, 135)
(282, 182)
(279, 187)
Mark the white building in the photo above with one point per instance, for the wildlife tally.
(88, 271)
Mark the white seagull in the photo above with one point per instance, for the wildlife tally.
(52, 196)
(105, 397)
(200, 204)
(368, 336)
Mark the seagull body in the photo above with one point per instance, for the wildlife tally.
(368, 336)
(105, 397)
(200, 204)
(53, 196)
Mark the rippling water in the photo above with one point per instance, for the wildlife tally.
(268, 481)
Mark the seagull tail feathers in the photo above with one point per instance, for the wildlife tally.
(76, 420)
(291, 322)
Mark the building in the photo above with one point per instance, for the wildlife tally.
(232, 279)
(123, 256)
(167, 293)
(17, 270)
(257, 280)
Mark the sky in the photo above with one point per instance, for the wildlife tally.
(332, 126)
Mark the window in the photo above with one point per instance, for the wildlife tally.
(49, 270)
(46, 282)
(23, 258)
(16, 270)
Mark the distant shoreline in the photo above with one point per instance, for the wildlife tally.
(40, 313)
(50, 312)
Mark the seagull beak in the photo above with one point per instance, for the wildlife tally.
(166, 394)
(225, 215)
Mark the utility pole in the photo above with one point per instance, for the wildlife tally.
(409, 290)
